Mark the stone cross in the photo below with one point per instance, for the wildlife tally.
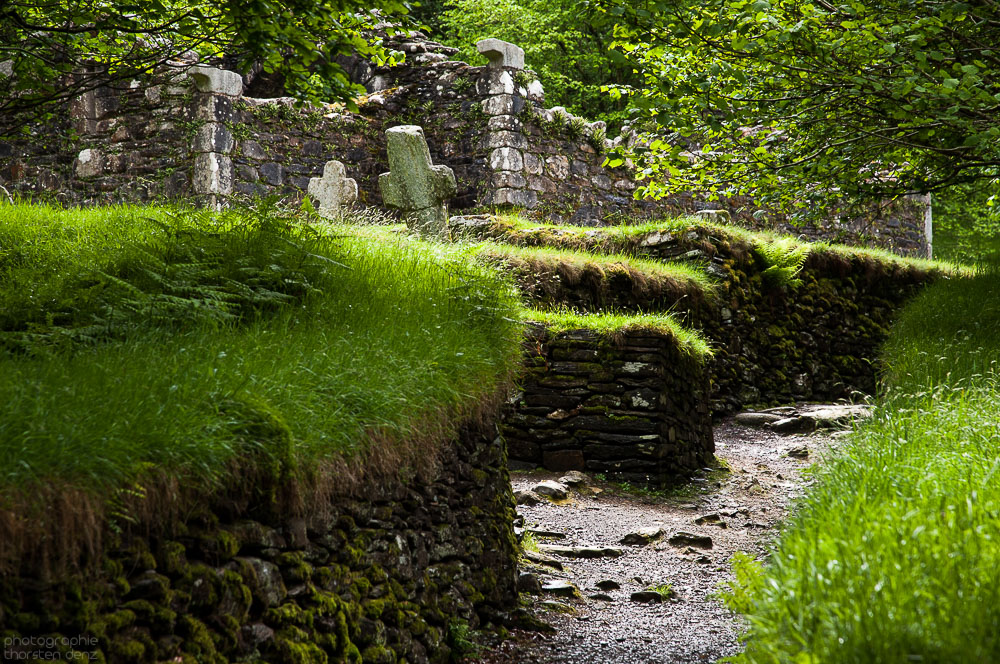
(413, 184)
(501, 54)
(334, 191)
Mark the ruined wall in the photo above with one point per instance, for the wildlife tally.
(116, 144)
(774, 343)
(635, 408)
(209, 139)
(382, 579)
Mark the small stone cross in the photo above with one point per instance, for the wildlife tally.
(501, 54)
(414, 184)
(334, 191)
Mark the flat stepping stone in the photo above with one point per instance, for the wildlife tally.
(551, 489)
(643, 536)
(713, 519)
(574, 478)
(811, 418)
(799, 452)
(552, 534)
(528, 498)
(803, 419)
(601, 597)
(684, 538)
(608, 584)
(560, 589)
(542, 559)
(646, 597)
(579, 551)
(756, 419)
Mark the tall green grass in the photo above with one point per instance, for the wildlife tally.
(894, 555)
(613, 323)
(138, 337)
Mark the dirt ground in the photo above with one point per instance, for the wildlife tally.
(751, 496)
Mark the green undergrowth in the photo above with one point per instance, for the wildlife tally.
(191, 341)
(894, 554)
(613, 324)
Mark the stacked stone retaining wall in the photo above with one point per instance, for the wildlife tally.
(774, 342)
(634, 407)
(390, 576)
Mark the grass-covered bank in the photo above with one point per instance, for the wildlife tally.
(219, 346)
(894, 556)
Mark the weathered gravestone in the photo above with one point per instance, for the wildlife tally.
(334, 191)
(501, 54)
(414, 184)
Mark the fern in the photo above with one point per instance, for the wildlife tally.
(202, 269)
(783, 259)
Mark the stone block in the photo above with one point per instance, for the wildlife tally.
(557, 166)
(213, 137)
(504, 123)
(506, 159)
(578, 167)
(503, 105)
(253, 150)
(541, 184)
(273, 173)
(216, 81)
(508, 139)
(516, 197)
(563, 460)
(511, 179)
(533, 164)
(501, 54)
(213, 174)
(214, 108)
(89, 163)
(499, 82)
(536, 92)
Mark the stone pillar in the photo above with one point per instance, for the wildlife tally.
(504, 139)
(929, 225)
(216, 91)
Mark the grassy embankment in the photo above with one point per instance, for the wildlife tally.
(894, 556)
(214, 349)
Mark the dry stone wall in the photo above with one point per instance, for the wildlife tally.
(384, 578)
(635, 407)
(774, 343)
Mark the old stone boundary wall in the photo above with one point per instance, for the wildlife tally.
(634, 407)
(396, 576)
(773, 343)
(201, 136)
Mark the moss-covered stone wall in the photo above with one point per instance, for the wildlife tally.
(634, 406)
(395, 573)
(774, 342)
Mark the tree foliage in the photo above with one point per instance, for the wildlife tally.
(563, 43)
(52, 50)
(810, 99)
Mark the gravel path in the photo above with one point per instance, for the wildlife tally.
(751, 499)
